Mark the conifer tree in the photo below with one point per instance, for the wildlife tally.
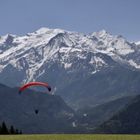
(12, 130)
(4, 129)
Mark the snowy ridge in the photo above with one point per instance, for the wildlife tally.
(33, 53)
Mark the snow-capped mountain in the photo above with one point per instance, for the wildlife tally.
(31, 52)
(63, 57)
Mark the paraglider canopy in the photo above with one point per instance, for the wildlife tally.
(35, 84)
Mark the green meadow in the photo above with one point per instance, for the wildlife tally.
(69, 137)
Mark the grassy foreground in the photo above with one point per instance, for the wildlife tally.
(69, 137)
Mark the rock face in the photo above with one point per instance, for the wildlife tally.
(83, 69)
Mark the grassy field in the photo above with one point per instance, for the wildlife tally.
(69, 137)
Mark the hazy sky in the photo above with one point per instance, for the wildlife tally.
(86, 16)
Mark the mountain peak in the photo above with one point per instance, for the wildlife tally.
(137, 43)
(44, 30)
(101, 34)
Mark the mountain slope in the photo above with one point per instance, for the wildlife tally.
(54, 115)
(92, 117)
(127, 121)
(106, 85)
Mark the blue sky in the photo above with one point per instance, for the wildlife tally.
(86, 16)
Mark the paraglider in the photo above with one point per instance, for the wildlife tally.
(24, 87)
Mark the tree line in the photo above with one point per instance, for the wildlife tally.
(11, 130)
